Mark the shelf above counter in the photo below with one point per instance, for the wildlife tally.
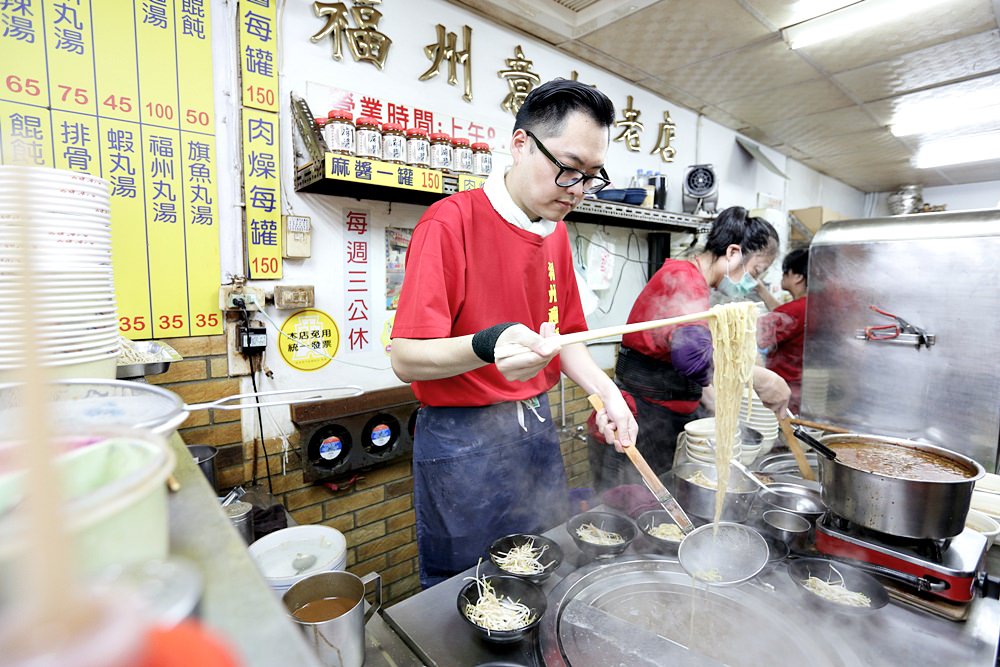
(315, 178)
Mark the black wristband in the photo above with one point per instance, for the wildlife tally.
(484, 342)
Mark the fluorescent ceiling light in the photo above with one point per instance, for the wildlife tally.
(853, 18)
(944, 113)
(960, 150)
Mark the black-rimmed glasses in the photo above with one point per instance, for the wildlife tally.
(568, 176)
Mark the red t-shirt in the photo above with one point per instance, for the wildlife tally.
(784, 329)
(678, 288)
(467, 269)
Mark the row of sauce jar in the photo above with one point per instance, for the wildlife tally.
(390, 143)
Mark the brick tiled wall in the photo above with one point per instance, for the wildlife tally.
(375, 513)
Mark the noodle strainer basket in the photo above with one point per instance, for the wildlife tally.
(723, 554)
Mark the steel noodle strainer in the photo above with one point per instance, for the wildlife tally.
(723, 554)
(82, 403)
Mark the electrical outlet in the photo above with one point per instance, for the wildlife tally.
(253, 297)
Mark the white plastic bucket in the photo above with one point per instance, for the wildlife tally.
(116, 497)
(277, 554)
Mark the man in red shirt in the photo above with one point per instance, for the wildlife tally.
(783, 331)
(486, 268)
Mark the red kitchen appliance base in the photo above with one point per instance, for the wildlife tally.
(949, 568)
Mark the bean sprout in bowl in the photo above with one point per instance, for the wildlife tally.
(660, 530)
(837, 586)
(601, 534)
(530, 557)
(501, 601)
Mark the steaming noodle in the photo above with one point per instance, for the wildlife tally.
(523, 559)
(667, 531)
(496, 613)
(734, 341)
(701, 479)
(836, 591)
(588, 532)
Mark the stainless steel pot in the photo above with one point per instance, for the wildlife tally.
(911, 508)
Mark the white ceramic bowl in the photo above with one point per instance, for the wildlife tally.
(701, 428)
(984, 524)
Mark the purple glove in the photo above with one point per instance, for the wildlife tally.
(691, 353)
(633, 499)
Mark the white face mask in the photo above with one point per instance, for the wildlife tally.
(744, 287)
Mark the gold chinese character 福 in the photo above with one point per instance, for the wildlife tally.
(446, 49)
(367, 44)
(520, 80)
(667, 132)
(632, 126)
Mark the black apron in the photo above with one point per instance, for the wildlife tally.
(644, 378)
(477, 476)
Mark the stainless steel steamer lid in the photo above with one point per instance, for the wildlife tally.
(639, 611)
(103, 403)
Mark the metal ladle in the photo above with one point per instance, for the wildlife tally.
(723, 554)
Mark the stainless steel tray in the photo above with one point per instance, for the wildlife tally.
(164, 352)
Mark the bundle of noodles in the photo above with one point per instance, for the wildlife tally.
(734, 339)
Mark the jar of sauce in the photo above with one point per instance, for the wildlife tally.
(339, 132)
(482, 159)
(393, 143)
(418, 148)
(461, 156)
(441, 153)
(369, 138)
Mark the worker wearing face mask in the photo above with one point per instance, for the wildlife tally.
(662, 372)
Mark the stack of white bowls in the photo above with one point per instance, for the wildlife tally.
(74, 325)
(699, 441)
(759, 418)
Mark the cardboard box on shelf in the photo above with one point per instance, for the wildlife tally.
(813, 218)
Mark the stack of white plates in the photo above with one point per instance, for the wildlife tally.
(759, 418)
(74, 326)
(699, 441)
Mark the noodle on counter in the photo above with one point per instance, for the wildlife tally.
(836, 591)
(734, 342)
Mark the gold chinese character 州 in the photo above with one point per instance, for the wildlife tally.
(446, 49)
(367, 44)
(663, 147)
(520, 80)
(633, 126)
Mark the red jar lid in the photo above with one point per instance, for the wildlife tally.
(392, 127)
(320, 121)
(368, 120)
(480, 146)
(415, 132)
(459, 141)
(440, 136)
(341, 114)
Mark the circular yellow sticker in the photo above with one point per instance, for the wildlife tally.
(387, 334)
(309, 340)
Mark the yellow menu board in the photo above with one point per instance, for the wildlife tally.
(123, 89)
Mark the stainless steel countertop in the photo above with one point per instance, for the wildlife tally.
(237, 602)
(429, 622)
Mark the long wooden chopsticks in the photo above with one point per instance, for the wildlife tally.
(511, 349)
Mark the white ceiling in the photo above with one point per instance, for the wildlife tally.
(828, 105)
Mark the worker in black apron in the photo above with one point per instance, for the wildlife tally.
(487, 269)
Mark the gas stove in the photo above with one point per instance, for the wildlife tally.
(947, 569)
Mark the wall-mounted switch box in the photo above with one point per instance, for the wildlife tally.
(294, 297)
(298, 236)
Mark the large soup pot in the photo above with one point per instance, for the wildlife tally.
(897, 503)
